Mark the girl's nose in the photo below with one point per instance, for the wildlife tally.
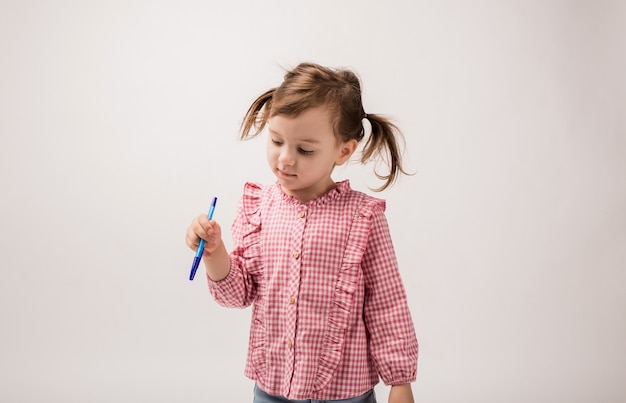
(286, 157)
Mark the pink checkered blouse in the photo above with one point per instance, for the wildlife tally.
(330, 313)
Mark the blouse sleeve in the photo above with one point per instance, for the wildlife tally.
(239, 288)
(393, 342)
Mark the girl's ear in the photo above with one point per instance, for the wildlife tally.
(345, 151)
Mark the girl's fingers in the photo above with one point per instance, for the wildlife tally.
(201, 228)
(194, 233)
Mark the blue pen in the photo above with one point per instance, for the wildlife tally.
(196, 260)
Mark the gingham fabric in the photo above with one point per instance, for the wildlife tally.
(329, 308)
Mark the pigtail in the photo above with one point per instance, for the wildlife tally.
(384, 142)
(257, 115)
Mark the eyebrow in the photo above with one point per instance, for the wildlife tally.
(310, 141)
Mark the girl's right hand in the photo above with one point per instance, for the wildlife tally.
(202, 228)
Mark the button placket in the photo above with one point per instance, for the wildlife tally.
(293, 287)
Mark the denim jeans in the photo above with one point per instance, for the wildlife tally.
(262, 397)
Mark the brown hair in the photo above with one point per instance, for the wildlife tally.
(310, 85)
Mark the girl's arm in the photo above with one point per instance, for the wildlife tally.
(233, 276)
(392, 340)
(217, 263)
(401, 394)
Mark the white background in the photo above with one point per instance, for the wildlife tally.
(119, 123)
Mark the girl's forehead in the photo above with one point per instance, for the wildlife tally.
(313, 111)
(314, 123)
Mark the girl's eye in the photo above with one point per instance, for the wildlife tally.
(277, 142)
(304, 152)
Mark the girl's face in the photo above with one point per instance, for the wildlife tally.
(303, 151)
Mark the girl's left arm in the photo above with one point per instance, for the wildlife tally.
(401, 394)
(393, 343)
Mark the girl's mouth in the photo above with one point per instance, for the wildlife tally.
(286, 174)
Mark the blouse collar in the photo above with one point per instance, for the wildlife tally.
(332, 194)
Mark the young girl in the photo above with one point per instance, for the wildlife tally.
(313, 257)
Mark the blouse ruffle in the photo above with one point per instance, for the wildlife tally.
(345, 288)
(238, 289)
